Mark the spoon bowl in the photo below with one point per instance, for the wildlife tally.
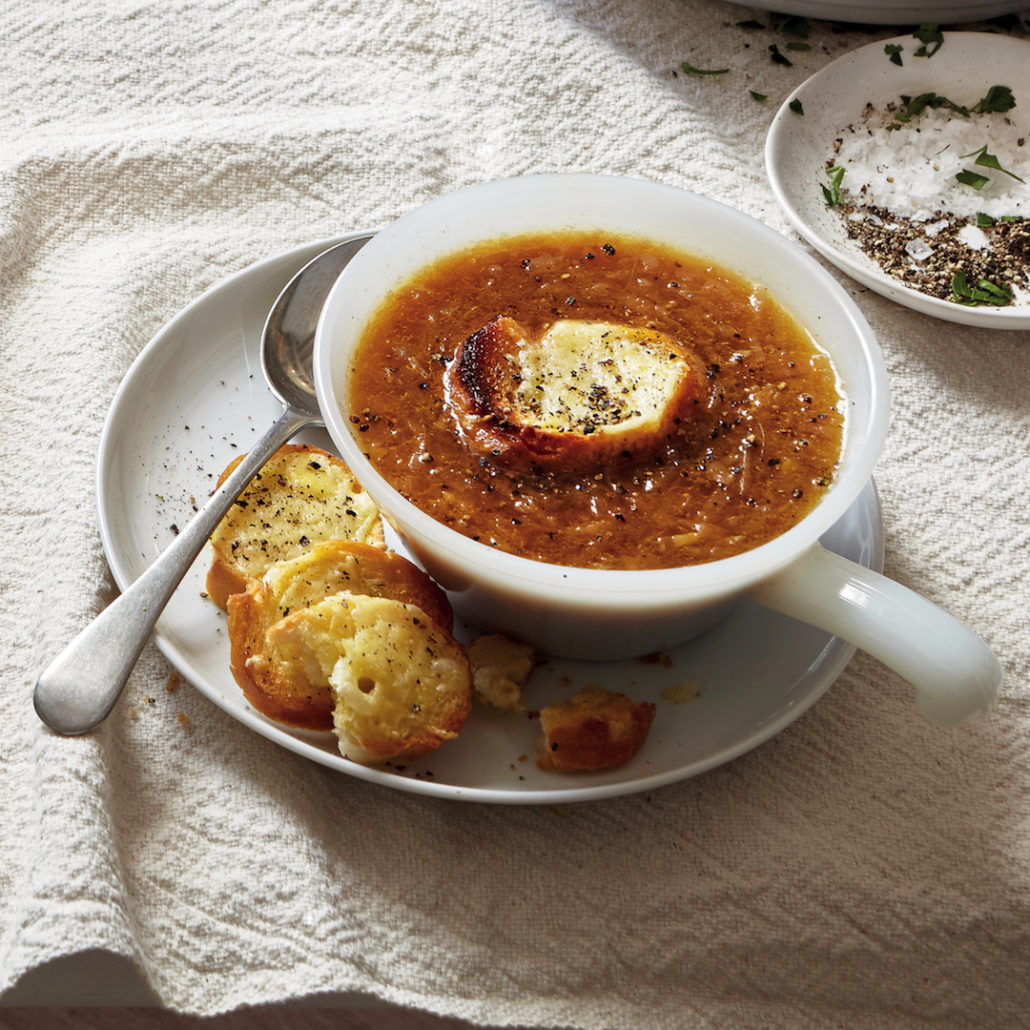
(78, 689)
(288, 339)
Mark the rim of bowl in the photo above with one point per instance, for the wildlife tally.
(604, 588)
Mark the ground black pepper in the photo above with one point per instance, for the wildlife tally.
(1004, 260)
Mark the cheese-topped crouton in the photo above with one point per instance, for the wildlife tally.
(279, 681)
(400, 684)
(301, 496)
(581, 396)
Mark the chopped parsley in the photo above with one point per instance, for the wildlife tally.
(796, 106)
(789, 25)
(974, 179)
(931, 37)
(985, 292)
(985, 221)
(778, 57)
(893, 51)
(757, 97)
(832, 194)
(914, 106)
(750, 24)
(986, 160)
(998, 99)
(691, 70)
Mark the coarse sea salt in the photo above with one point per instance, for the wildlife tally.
(911, 171)
(973, 237)
(918, 250)
(903, 204)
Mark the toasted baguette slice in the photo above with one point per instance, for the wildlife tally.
(279, 683)
(302, 495)
(594, 729)
(401, 686)
(582, 396)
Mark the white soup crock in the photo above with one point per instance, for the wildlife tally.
(593, 613)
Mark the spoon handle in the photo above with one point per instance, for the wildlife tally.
(80, 686)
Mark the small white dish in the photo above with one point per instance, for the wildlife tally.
(798, 146)
(195, 398)
(900, 12)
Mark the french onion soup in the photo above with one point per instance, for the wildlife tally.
(596, 401)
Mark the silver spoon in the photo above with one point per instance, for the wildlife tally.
(80, 686)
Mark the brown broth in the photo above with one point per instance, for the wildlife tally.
(749, 474)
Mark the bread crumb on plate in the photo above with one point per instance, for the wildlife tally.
(594, 729)
(500, 669)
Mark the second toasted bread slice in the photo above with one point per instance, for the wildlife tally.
(302, 495)
(279, 682)
(581, 396)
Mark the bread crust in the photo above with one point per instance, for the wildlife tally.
(581, 396)
(279, 684)
(594, 729)
(301, 496)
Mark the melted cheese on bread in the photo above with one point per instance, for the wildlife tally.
(580, 396)
(301, 496)
(595, 377)
(401, 685)
(283, 683)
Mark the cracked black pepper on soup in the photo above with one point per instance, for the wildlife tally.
(753, 461)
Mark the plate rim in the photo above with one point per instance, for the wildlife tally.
(887, 12)
(880, 282)
(830, 660)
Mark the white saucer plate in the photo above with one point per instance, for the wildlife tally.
(901, 12)
(798, 146)
(195, 398)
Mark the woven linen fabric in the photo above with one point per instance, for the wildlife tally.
(863, 868)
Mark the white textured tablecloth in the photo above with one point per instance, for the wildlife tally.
(862, 869)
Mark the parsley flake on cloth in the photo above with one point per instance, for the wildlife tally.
(691, 70)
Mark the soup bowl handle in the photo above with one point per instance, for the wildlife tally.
(955, 674)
